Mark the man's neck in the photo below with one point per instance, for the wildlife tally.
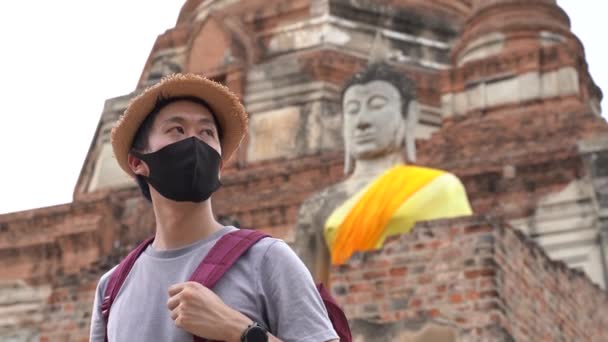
(374, 167)
(180, 224)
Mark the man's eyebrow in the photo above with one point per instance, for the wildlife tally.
(207, 121)
(179, 119)
(176, 119)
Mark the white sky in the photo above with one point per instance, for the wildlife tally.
(63, 58)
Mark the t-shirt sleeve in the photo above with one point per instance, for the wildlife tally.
(98, 326)
(294, 307)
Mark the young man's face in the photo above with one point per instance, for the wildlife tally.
(180, 120)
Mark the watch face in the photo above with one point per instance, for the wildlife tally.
(257, 334)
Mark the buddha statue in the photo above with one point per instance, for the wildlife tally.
(381, 194)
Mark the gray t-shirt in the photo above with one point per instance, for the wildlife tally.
(269, 284)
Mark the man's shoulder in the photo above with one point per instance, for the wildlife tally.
(104, 279)
(269, 246)
(272, 252)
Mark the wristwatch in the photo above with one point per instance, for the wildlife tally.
(255, 333)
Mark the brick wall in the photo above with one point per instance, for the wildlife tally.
(53, 258)
(39, 244)
(476, 275)
(68, 312)
(545, 300)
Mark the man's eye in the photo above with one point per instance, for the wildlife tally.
(209, 132)
(176, 129)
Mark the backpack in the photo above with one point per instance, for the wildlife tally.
(226, 251)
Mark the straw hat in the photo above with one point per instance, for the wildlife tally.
(229, 113)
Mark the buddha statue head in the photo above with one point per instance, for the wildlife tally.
(380, 115)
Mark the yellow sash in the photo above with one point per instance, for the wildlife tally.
(392, 204)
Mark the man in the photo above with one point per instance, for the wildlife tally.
(173, 138)
(381, 196)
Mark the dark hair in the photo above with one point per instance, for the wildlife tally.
(141, 139)
(381, 71)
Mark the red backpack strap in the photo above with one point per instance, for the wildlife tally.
(336, 315)
(226, 251)
(118, 278)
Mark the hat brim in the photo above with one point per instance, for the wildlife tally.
(225, 105)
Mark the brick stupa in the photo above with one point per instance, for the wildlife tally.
(507, 103)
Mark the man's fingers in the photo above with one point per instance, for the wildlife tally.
(174, 314)
(173, 302)
(175, 289)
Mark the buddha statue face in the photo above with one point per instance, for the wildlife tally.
(380, 115)
(373, 120)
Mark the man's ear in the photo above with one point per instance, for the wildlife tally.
(138, 166)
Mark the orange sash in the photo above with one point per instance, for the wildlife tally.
(361, 231)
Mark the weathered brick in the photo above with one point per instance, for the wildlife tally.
(425, 279)
(399, 304)
(359, 287)
(456, 298)
(398, 271)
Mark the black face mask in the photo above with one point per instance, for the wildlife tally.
(185, 171)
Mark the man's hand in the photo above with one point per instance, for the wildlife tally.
(201, 312)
